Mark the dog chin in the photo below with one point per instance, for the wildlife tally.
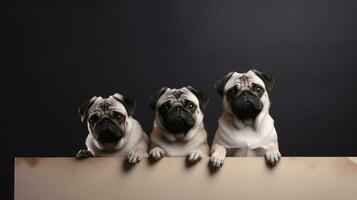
(110, 145)
(177, 126)
(180, 135)
(246, 109)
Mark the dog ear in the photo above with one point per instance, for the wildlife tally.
(219, 85)
(154, 98)
(203, 99)
(128, 102)
(83, 108)
(269, 81)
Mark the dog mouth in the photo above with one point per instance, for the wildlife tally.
(108, 132)
(178, 122)
(108, 138)
(178, 125)
(246, 106)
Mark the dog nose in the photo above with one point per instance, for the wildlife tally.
(106, 123)
(177, 108)
(245, 93)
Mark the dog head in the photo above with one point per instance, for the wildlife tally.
(178, 110)
(108, 119)
(245, 94)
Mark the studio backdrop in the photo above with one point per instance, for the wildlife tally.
(56, 55)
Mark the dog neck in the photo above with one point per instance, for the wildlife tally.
(171, 138)
(255, 123)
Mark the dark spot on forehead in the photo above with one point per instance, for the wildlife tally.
(244, 80)
(104, 106)
(177, 94)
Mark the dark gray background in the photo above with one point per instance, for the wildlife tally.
(57, 55)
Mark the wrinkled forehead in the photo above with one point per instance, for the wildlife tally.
(242, 78)
(105, 105)
(177, 95)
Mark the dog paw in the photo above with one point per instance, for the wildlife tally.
(217, 160)
(135, 157)
(194, 156)
(157, 153)
(272, 157)
(83, 154)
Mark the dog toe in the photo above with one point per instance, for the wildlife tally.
(83, 154)
(217, 161)
(194, 156)
(156, 153)
(272, 158)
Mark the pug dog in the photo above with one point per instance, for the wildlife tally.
(112, 129)
(245, 127)
(178, 126)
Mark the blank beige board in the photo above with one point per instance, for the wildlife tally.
(172, 179)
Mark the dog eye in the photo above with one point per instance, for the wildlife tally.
(118, 115)
(190, 106)
(258, 89)
(233, 91)
(165, 106)
(93, 118)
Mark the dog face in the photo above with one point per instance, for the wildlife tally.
(108, 119)
(178, 110)
(245, 94)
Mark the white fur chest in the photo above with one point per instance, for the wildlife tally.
(246, 137)
(178, 148)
